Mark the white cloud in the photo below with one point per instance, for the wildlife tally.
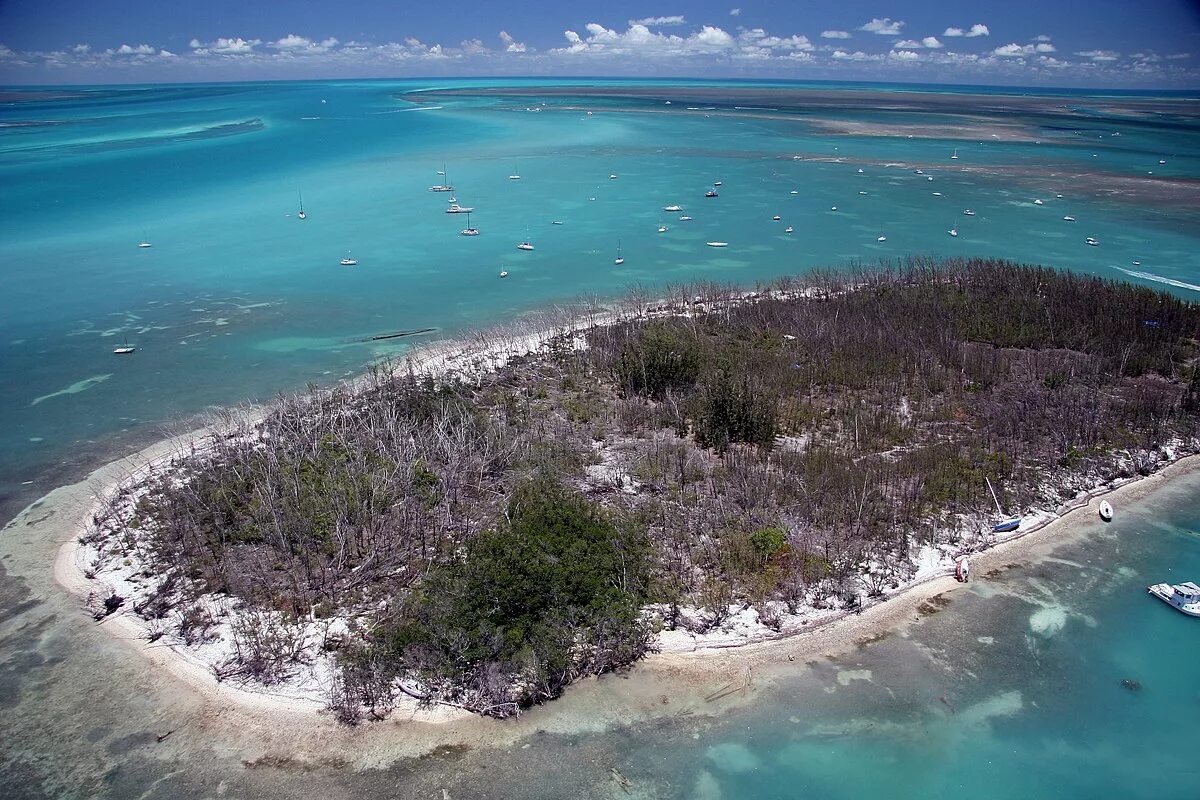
(1100, 55)
(639, 40)
(1019, 51)
(166, 54)
(298, 44)
(735, 12)
(978, 29)
(223, 46)
(82, 49)
(835, 35)
(511, 45)
(932, 43)
(676, 19)
(140, 50)
(882, 26)
(903, 55)
(1177, 56)
(1041, 37)
(293, 42)
(858, 55)
(907, 44)
(757, 37)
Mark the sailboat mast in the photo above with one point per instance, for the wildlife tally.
(994, 499)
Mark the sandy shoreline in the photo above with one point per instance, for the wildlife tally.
(721, 660)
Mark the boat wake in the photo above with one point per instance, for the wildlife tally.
(1150, 276)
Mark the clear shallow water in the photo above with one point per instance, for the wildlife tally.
(239, 299)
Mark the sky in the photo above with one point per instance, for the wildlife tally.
(1087, 43)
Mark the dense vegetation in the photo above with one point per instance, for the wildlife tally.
(494, 537)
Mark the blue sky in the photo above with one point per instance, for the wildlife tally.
(1153, 43)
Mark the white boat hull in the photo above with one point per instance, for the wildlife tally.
(1106, 511)
(1166, 593)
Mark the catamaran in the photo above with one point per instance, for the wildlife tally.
(442, 187)
(469, 231)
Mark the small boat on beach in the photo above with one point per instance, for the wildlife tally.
(1004, 525)
(1184, 597)
(962, 569)
(1106, 511)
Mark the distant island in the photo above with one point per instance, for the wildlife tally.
(480, 526)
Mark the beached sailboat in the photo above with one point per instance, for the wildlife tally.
(300, 214)
(1106, 511)
(1003, 525)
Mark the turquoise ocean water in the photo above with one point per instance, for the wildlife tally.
(239, 299)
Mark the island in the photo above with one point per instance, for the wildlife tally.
(484, 522)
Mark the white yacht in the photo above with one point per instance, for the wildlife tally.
(514, 177)
(1183, 597)
(348, 261)
(717, 244)
(969, 212)
(881, 238)
(442, 187)
(776, 218)
(1068, 218)
(527, 244)
(672, 208)
(145, 244)
(711, 193)
(455, 208)
(612, 177)
(125, 349)
(662, 228)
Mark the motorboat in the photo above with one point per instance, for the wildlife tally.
(953, 231)
(672, 208)
(788, 229)
(1068, 218)
(662, 228)
(685, 218)
(145, 244)
(612, 177)
(711, 193)
(1106, 511)
(776, 218)
(716, 183)
(455, 208)
(968, 212)
(1183, 597)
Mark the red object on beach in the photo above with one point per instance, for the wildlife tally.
(962, 569)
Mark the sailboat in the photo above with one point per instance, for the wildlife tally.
(1004, 525)
(526, 244)
(144, 242)
(469, 231)
(125, 349)
(619, 259)
(442, 187)
(301, 214)
(953, 231)
(955, 154)
(348, 261)
(661, 228)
